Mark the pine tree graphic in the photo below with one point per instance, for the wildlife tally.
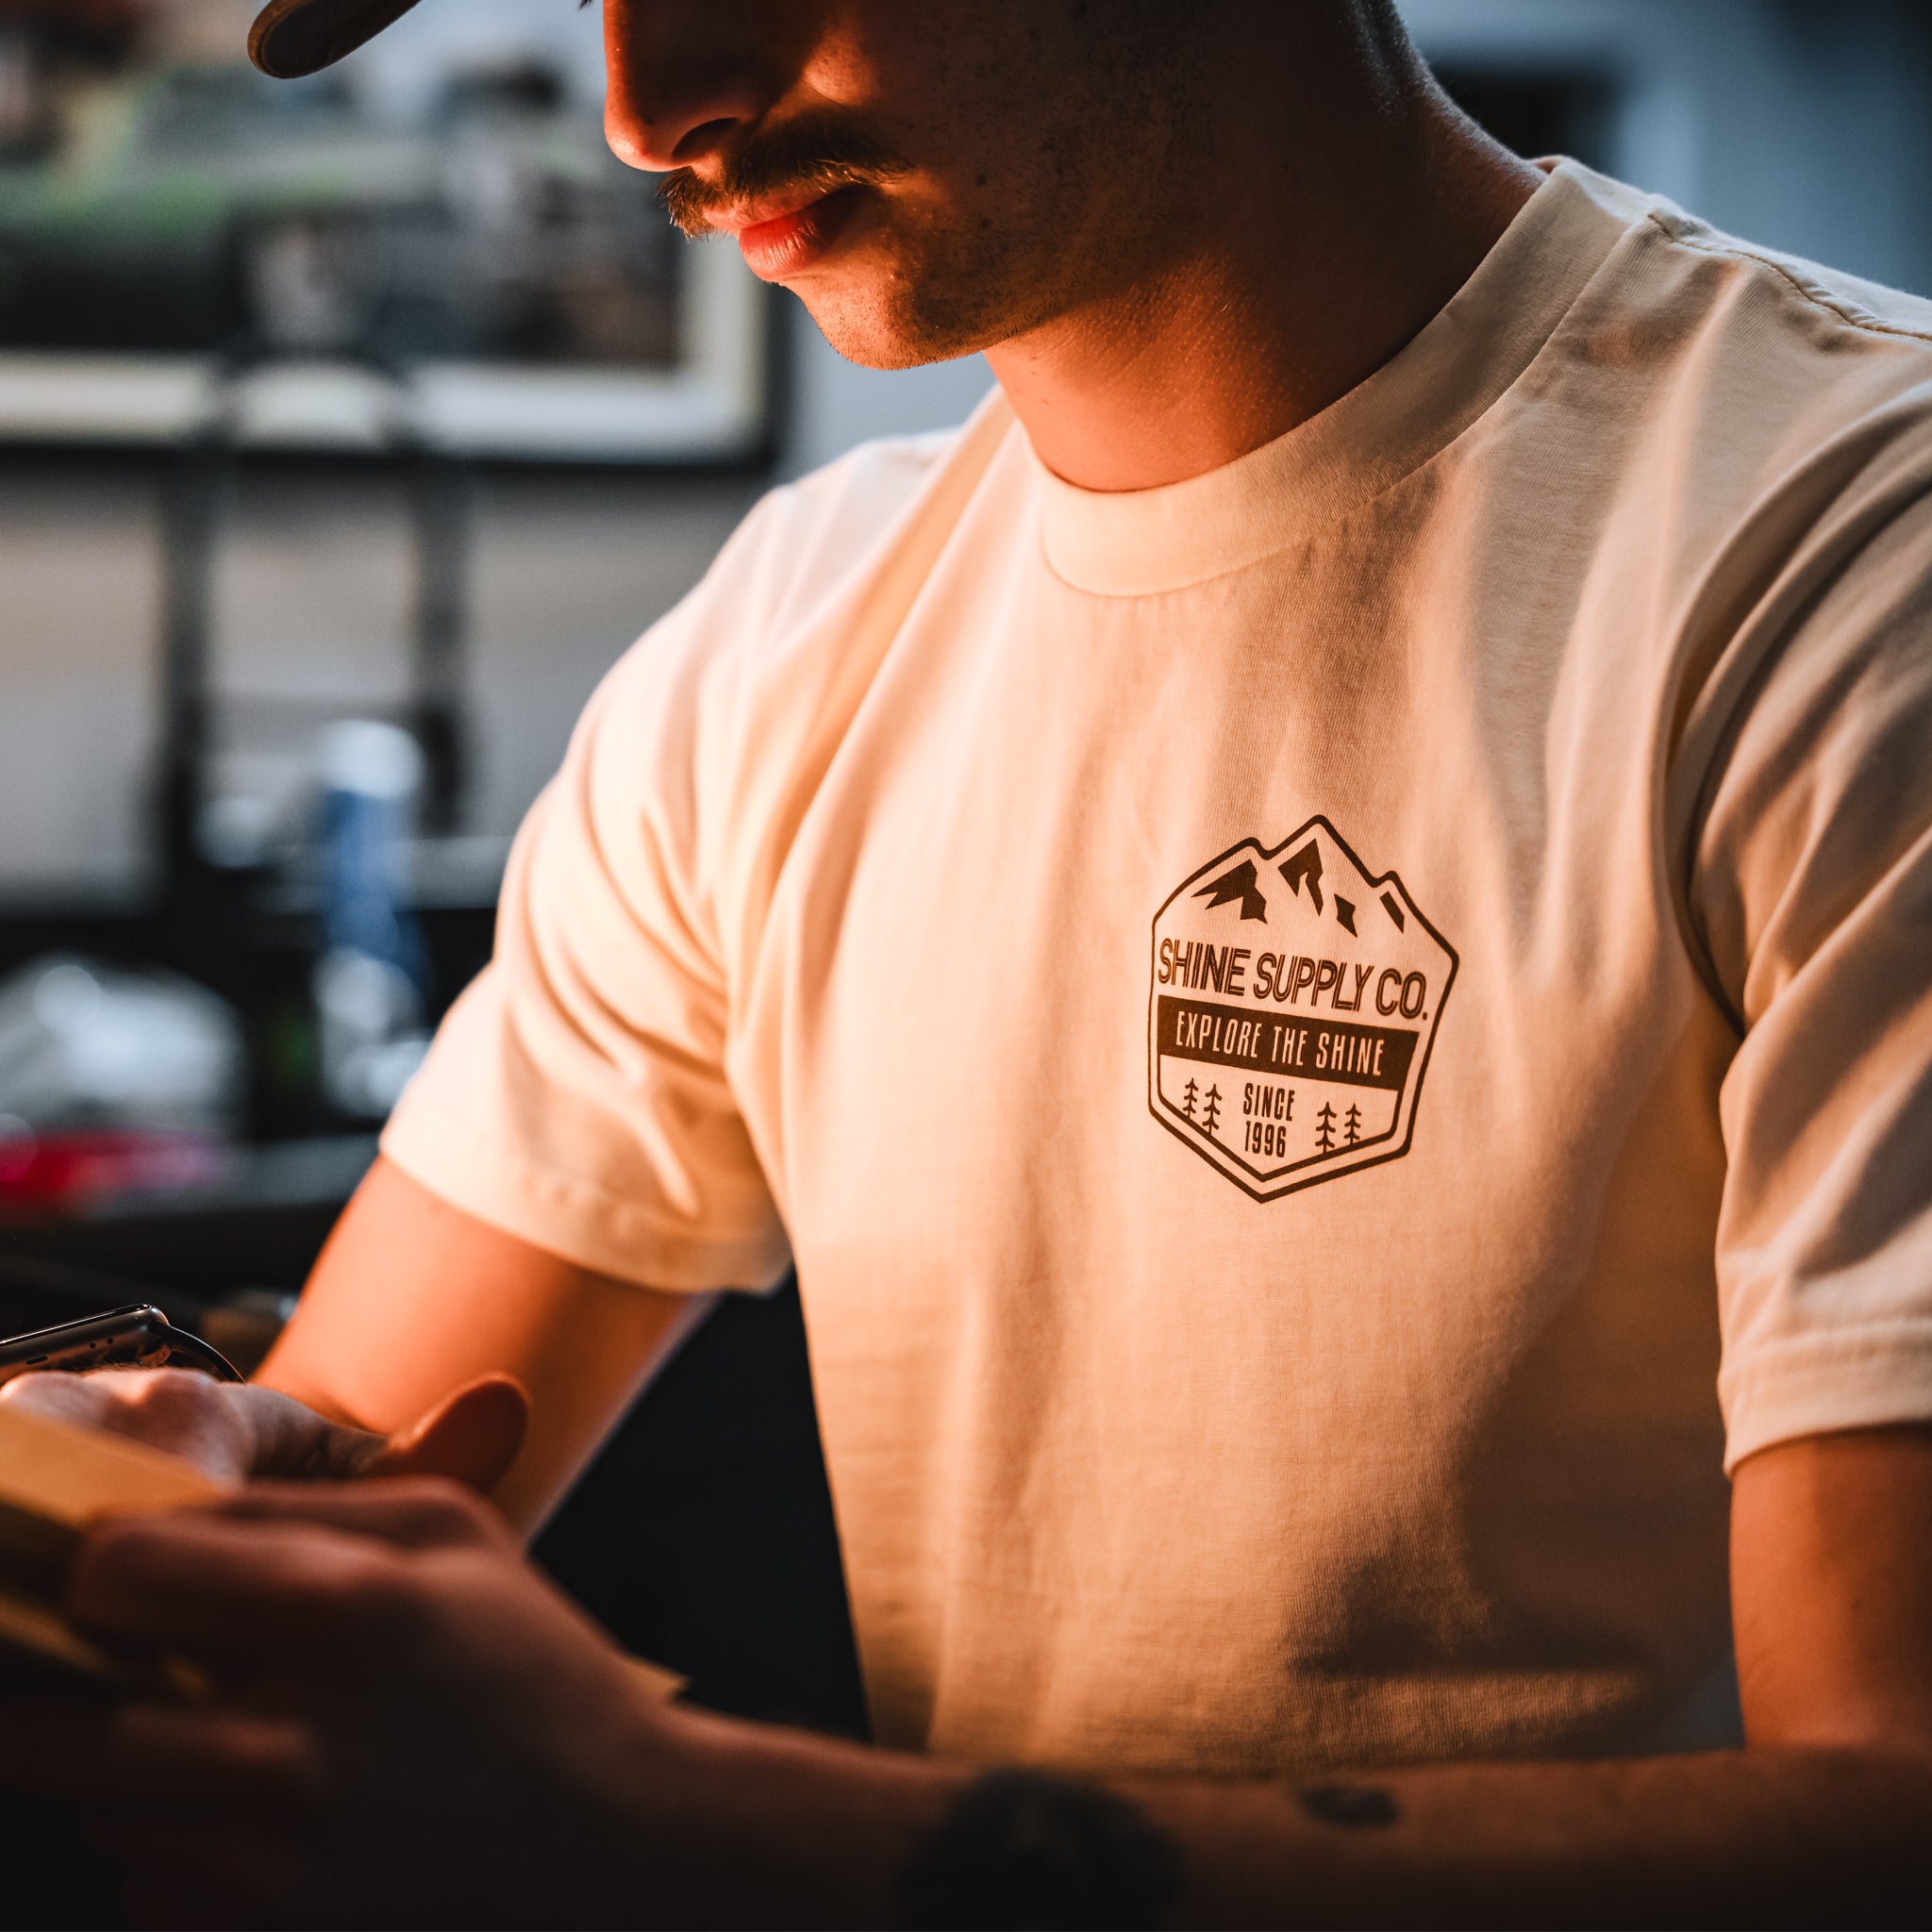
(1325, 1136)
(1188, 1096)
(1213, 1112)
(1352, 1125)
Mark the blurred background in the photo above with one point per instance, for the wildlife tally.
(349, 430)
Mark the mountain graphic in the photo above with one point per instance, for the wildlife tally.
(1239, 883)
(1306, 864)
(1330, 1088)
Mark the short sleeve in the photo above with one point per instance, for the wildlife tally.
(581, 1094)
(577, 1095)
(1813, 886)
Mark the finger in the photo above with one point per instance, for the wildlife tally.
(415, 1512)
(150, 1756)
(46, 1393)
(239, 1594)
(293, 1441)
(471, 1436)
(179, 1410)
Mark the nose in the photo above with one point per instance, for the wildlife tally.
(682, 80)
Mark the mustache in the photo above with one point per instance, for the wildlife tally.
(813, 154)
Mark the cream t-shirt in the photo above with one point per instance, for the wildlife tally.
(1307, 1031)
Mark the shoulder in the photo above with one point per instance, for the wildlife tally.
(813, 533)
(807, 543)
(1751, 356)
(1762, 424)
(712, 731)
(1675, 259)
(1832, 305)
(807, 552)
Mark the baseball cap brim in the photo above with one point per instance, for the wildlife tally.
(295, 37)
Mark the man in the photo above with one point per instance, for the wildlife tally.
(1306, 931)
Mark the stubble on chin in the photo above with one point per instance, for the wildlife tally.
(932, 286)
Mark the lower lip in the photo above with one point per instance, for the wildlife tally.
(782, 247)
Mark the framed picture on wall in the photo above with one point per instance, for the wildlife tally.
(429, 244)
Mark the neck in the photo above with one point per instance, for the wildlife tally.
(1363, 208)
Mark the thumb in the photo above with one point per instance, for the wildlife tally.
(471, 1436)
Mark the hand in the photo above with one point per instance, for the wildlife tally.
(408, 1725)
(235, 1432)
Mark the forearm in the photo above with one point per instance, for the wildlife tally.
(411, 1298)
(1760, 1836)
(753, 1825)
(806, 1830)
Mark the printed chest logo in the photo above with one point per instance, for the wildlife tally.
(1294, 1003)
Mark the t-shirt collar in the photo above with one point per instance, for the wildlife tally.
(1142, 542)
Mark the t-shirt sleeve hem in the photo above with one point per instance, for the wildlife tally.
(1876, 1377)
(568, 1217)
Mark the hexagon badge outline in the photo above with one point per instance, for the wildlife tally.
(1327, 1167)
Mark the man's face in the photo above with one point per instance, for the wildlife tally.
(930, 176)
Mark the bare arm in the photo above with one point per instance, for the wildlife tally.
(492, 1687)
(425, 1342)
(1826, 1816)
(411, 1298)
(1827, 1811)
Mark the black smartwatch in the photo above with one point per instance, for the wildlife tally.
(1023, 1848)
(137, 1337)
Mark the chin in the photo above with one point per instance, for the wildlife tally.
(865, 334)
(893, 322)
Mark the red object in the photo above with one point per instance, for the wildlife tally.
(39, 1172)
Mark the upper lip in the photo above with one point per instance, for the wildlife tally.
(751, 214)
